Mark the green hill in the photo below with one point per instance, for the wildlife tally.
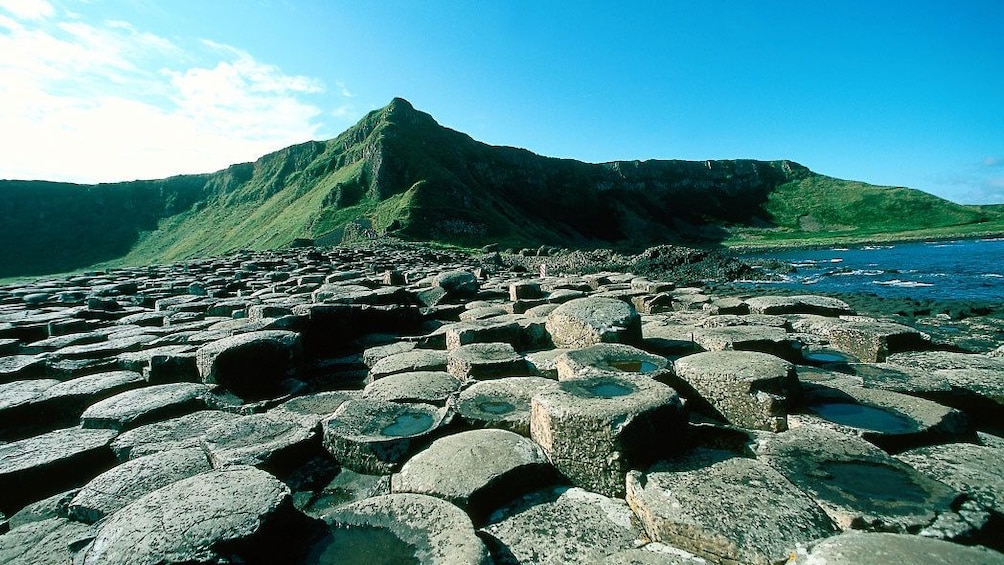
(398, 171)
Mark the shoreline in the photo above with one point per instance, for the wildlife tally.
(797, 245)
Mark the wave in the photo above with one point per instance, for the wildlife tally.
(903, 284)
(992, 275)
(874, 247)
(858, 273)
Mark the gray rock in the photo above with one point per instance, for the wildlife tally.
(16, 403)
(596, 429)
(16, 367)
(270, 441)
(376, 436)
(561, 526)
(934, 360)
(373, 354)
(67, 400)
(852, 548)
(802, 304)
(670, 339)
(311, 409)
(652, 554)
(767, 339)
(117, 487)
(899, 379)
(219, 516)
(252, 364)
(482, 313)
(55, 506)
(746, 388)
(524, 290)
(724, 508)
(890, 420)
(975, 470)
(858, 485)
(605, 358)
(133, 408)
(409, 362)
(480, 361)
(410, 528)
(40, 466)
(478, 470)
(587, 321)
(47, 542)
(431, 387)
(457, 284)
(482, 331)
(175, 433)
(873, 341)
(501, 403)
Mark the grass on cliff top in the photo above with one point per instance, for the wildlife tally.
(821, 211)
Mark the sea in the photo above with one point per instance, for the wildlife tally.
(937, 270)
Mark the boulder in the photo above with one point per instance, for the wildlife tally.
(46, 542)
(746, 388)
(802, 304)
(872, 341)
(587, 321)
(457, 284)
(766, 339)
(478, 470)
(596, 429)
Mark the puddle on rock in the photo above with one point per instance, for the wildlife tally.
(408, 424)
(362, 545)
(826, 357)
(864, 417)
(608, 389)
(873, 481)
(496, 407)
(633, 366)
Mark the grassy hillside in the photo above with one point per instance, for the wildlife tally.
(398, 171)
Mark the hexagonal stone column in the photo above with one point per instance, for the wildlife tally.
(478, 470)
(725, 508)
(405, 528)
(376, 436)
(605, 358)
(501, 403)
(587, 321)
(251, 365)
(857, 547)
(595, 429)
(485, 361)
(746, 388)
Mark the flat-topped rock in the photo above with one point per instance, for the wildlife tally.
(561, 526)
(766, 339)
(494, 330)
(596, 429)
(17, 367)
(479, 361)
(801, 304)
(858, 485)
(46, 542)
(478, 470)
(975, 470)
(852, 548)
(117, 487)
(175, 433)
(587, 321)
(409, 362)
(746, 388)
(430, 387)
(653, 554)
(311, 409)
(274, 441)
(724, 508)
(34, 468)
(457, 284)
(402, 528)
(224, 515)
(890, 420)
(501, 403)
(610, 358)
(251, 364)
(376, 436)
(873, 341)
(934, 360)
(133, 408)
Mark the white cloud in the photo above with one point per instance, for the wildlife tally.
(106, 102)
(27, 9)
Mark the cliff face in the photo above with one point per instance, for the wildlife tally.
(398, 171)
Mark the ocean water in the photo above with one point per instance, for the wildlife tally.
(942, 270)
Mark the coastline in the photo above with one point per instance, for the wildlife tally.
(742, 248)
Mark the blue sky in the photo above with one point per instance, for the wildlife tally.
(890, 92)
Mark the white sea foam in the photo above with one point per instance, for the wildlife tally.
(903, 284)
(858, 273)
